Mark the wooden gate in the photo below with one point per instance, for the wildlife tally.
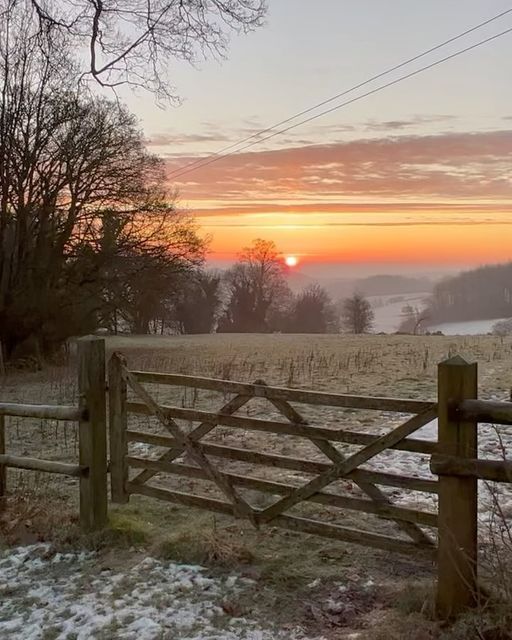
(335, 465)
(454, 463)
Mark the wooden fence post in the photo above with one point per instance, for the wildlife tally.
(458, 496)
(117, 428)
(92, 433)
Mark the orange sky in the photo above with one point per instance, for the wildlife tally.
(442, 199)
(417, 243)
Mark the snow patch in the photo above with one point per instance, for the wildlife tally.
(66, 596)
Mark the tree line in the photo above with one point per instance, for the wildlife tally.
(477, 294)
(91, 235)
(252, 296)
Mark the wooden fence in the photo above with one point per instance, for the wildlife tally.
(454, 463)
(453, 459)
(90, 414)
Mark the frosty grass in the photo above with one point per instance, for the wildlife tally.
(47, 596)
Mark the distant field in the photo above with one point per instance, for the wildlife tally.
(400, 366)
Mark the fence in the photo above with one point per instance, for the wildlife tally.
(90, 416)
(453, 459)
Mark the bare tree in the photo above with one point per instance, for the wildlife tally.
(134, 41)
(357, 314)
(74, 173)
(255, 285)
(413, 319)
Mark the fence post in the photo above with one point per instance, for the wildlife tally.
(3, 468)
(92, 433)
(117, 428)
(458, 496)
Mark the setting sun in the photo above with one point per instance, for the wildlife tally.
(291, 261)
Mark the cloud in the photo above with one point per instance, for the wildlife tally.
(169, 138)
(396, 125)
(408, 168)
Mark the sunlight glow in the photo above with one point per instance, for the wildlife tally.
(291, 261)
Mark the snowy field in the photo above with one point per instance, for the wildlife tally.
(468, 328)
(46, 595)
(388, 315)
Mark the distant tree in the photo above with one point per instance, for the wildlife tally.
(357, 314)
(478, 294)
(255, 286)
(199, 301)
(413, 320)
(312, 311)
(503, 328)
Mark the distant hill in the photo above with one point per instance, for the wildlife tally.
(478, 294)
(379, 285)
(389, 285)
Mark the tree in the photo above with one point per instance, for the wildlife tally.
(312, 312)
(255, 287)
(478, 294)
(198, 304)
(83, 210)
(503, 328)
(134, 41)
(357, 314)
(413, 319)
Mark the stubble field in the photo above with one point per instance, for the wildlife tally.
(305, 575)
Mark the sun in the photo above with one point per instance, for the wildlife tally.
(291, 261)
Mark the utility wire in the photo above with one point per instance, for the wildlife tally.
(216, 157)
(222, 151)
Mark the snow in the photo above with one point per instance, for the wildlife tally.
(466, 328)
(494, 443)
(66, 596)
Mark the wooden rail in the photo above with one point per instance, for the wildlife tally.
(271, 426)
(49, 466)
(91, 418)
(483, 411)
(491, 470)
(342, 502)
(291, 395)
(287, 462)
(294, 523)
(42, 411)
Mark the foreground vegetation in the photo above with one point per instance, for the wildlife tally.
(327, 587)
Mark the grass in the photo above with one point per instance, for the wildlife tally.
(296, 574)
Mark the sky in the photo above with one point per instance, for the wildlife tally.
(416, 177)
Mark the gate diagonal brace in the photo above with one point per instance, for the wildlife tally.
(196, 434)
(371, 490)
(240, 506)
(343, 466)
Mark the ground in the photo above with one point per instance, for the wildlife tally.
(252, 585)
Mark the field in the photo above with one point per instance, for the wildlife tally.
(328, 589)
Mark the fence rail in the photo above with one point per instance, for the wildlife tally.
(41, 411)
(91, 418)
(281, 393)
(484, 411)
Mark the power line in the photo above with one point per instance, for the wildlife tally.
(222, 151)
(216, 157)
